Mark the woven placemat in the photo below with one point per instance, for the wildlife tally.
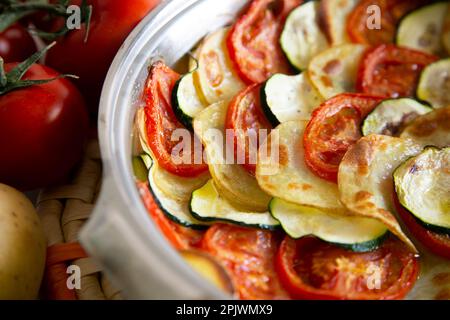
(63, 210)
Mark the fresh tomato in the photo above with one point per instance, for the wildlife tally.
(111, 22)
(161, 123)
(333, 129)
(310, 268)
(437, 243)
(180, 237)
(16, 44)
(253, 41)
(391, 11)
(43, 130)
(246, 118)
(248, 255)
(392, 71)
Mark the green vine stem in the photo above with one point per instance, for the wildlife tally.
(13, 79)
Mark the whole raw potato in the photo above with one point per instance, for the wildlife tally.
(22, 246)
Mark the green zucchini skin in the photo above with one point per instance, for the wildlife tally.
(433, 228)
(207, 197)
(398, 40)
(234, 222)
(265, 106)
(364, 246)
(174, 218)
(181, 116)
(418, 107)
(398, 182)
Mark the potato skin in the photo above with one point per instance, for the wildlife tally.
(22, 246)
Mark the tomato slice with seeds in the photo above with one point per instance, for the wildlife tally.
(392, 71)
(310, 268)
(253, 41)
(333, 129)
(161, 123)
(391, 13)
(248, 255)
(437, 243)
(180, 237)
(246, 118)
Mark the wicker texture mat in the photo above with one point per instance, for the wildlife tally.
(63, 211)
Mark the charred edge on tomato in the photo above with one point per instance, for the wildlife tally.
(265, 106)
(184, 119)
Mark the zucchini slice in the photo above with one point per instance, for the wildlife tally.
(355, 233)
(215, 77)
(422, 29)
(422, 184)
(365, 178)
(175, 209)
(302, 38)
(391, 116)
(334, 70)
(207, 205)
(232, 180)
(185, 99)
(287, 98)
(431, 129)
(333, 19)
(287, 177)
(434, 84)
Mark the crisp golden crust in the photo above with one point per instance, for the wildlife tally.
(289, 178)
(365, 178)
(431, 129)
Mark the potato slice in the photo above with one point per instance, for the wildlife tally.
(334, 70)
(365, 178)
(215, 78)
(431, 129)
(333, 19)
(288, 177)
(209, 268)
(231, 180)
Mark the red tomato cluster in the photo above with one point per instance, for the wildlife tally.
(44, 127)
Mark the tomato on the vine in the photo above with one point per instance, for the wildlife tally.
(111, 22)
(43, 129)
(16, 44)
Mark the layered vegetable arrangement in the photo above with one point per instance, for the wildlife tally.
(360, 117)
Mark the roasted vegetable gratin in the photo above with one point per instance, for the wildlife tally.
(355, 203)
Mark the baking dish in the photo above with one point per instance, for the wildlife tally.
(120, 235)
(125, 242)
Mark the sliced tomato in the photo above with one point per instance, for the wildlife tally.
(253, 41)
(392, 71)
(361, 18)
(161, 124)
(310, 268)
(248, 255)
(333, 128)
(180, 237)
(437, 243)
(246, 118)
